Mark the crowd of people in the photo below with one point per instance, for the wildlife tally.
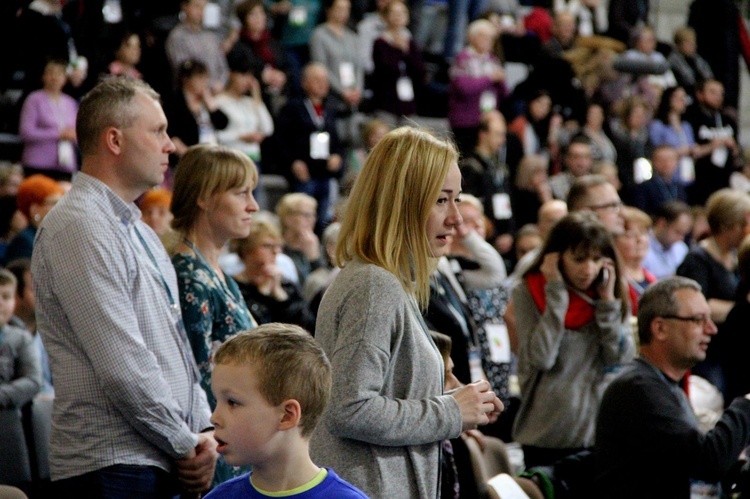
(558, 265)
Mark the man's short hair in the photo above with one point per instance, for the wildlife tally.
(669, 211)
(577, 139)
(659, 300)
(288, 364)
(108, 104)
(8, 279)
(579, 191)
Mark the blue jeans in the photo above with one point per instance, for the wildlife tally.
(121, 481)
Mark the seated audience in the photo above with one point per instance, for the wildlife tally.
(194, 117)
(576, 286)
(154, 205)
(648, 442)
(532, 189)
(127, 55)
(669, 129)
(47, 126)
(20, 371)
(713, 264)
(665, 183)
(398, 70)
(666, 245)
(735, 338)
(297, 214)
(311, 152)
(36, 196)
(578, 160)
(633, 247)
(477, 84)
(275, 377)
(688, 67)
(334, 45)
(269, 296)
(319, 279)
(191, 41)
(258, 48)
(630, 137)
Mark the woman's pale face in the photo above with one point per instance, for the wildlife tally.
(482, 40)
(444, 215)
(197, 84)
(230, 213)
(633, 243)
(130, 50)
(580, 269)
(339, 11)
(595, 117)
(398, 15)
(540, 107)
(301, 218)
(473, 218)
(264, 252)
(54, 77)
(678, 101)
(256, 20)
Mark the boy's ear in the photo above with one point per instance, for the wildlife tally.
(292, 413)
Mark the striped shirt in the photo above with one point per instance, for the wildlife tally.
(126, 386)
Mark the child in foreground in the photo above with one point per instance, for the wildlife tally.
(271, 386)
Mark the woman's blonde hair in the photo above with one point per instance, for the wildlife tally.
(386, 217)
(260, 229)
(203, 171)
(726, 209)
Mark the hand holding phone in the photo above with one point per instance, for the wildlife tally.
(550, 267)
(607, 280)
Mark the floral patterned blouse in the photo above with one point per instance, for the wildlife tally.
(213, 311)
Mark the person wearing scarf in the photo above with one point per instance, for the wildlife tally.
(572, 313)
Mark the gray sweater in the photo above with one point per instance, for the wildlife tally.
(562, 372)
(387, 415)
(20, 368)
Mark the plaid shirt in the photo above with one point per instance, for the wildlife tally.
(126, 385)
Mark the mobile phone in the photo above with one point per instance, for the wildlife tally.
(604, 276)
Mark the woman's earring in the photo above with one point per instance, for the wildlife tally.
(37, 217)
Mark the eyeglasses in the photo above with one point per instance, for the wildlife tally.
(615, 206)
(698, 320)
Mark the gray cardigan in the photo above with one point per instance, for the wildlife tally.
(387, 414)
(562, 372)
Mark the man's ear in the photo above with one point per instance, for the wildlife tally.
(659, 329)
(114, 140)
(292, 413)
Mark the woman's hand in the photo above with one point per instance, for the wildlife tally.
(551, 267)
(478, 404)
(607, 285)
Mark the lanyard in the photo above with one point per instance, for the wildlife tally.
(172, 301)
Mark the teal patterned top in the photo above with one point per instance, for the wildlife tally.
(213, 311)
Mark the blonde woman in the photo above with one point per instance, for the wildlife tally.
(297, 215)
(212, 204)
(388, 410)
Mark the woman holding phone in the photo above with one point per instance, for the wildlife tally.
(571, 319)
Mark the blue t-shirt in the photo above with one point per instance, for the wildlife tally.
(332, 487)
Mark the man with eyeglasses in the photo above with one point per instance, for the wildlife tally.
(648, 442)
(595, 193)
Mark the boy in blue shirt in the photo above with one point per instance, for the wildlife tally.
(271, 386)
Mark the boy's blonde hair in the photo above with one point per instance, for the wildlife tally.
(386, 217)
(289, 365)
(8, 279)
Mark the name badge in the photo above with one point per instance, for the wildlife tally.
(501, 206)
(405, 89)
(719, 156)
(207, 135)
(497, 337)
(298, 15)
(112, 11)
(475, 365)
(320, 143)
(346, 74)
(487, 101)
(686, 167)
(211, 16)
(65, 153)
(506, 487)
